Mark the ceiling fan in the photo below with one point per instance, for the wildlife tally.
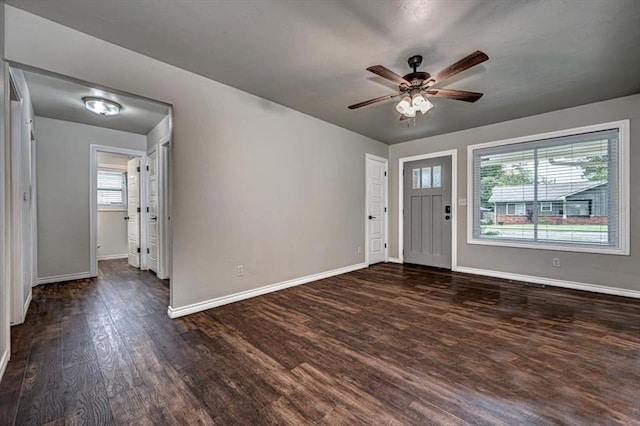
(417, 85)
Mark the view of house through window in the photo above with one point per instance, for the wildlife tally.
(561, 190)
(112, 189)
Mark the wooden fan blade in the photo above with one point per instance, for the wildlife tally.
(373, 101)
(458, 95)
(472, 60)
(388, 74)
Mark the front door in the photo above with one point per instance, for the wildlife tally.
(133, 211)
(152, 216)
(427, 212)
(376, 210)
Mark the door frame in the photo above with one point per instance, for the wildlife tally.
(162, 149)
(93, 193)
(366, 206)
(453, 153)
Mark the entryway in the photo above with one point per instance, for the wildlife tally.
(427, 214)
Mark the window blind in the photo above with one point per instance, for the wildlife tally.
(111, 188)
(560, 190)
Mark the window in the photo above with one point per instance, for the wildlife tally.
(579, 208)
(427, 177)
(515, 209)
(112, 189)
(562, 191)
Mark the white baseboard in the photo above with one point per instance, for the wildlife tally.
(26, 305)
(224, 300)
(4, 360)
(66, 277)
(551, 281)
(393, 260)
(113, 256)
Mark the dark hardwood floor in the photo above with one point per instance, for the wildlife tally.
(390, 344)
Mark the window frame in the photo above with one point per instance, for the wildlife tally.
(544, 204)
(113, 207)
(515, 209)
(624, 191)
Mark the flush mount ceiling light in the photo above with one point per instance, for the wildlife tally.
(102, 106)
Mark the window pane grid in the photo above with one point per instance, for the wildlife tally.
(111, 186)
(560, 191)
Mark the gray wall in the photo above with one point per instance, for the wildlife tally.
(159, 132)
(272, 189)
(112, 233)
(606, 270)
(64, 191)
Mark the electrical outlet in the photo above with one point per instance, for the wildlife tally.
(359, 249)
(239, 271)
(462, 201)
(556, 262)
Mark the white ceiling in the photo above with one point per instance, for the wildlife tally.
(312, 55)
(61, 99)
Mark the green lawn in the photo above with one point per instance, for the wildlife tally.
(547, 227)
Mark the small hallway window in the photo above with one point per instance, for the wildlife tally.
(112, 189)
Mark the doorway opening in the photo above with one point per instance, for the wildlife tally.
(21, 240)
(73, 215)
(118, 196)
(427, 219)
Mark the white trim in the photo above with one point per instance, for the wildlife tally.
(453, 153)
(65, 277)
(551, 281)
(26, 305)
(224, 300)
(393, 260)
(366, 205)
(4, 361)
(624, 191)
(113, 256)
(93, 215)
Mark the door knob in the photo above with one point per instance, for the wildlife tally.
(154, 218)
(371, 217)
(127, 218)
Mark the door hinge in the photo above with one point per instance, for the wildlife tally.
(385, 173)
(138, 210)
(147, 209)
(138, 249)
(148, 250)
(147, 168)
(385, 209)
(385, 245)
(138, 168)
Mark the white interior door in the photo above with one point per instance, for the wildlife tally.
(133, 211)
(376, 210)
(152, 216)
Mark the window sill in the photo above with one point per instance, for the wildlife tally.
(112, 209)
(553, 247)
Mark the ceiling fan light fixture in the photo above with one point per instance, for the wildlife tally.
(404, 107)
(102, 106)
(422, 104)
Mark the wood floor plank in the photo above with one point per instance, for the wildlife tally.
(390, 344)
